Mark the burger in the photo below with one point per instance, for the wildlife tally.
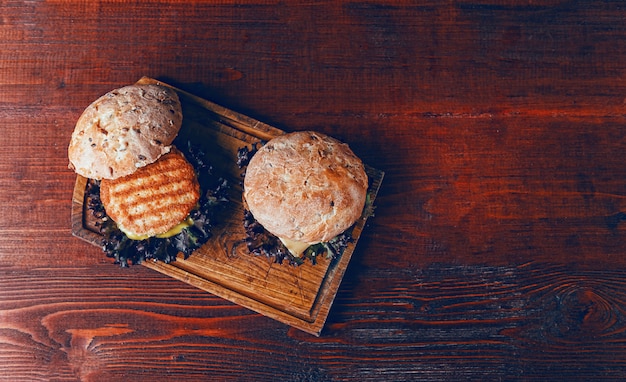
(302, 192)
(152, 199)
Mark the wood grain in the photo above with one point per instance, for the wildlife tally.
(497, 247)
(444, 322)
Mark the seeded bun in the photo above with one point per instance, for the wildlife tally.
(124, 130)
(305, 187)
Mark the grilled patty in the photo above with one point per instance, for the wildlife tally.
(153, 199)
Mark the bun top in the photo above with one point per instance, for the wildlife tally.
(123, 130)
(305, 187)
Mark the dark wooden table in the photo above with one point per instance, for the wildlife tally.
(497, 251)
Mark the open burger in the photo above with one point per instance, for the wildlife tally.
(151, 199)
(302, 192)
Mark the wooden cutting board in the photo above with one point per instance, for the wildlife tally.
(300, 296)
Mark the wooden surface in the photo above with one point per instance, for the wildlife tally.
(497, 250)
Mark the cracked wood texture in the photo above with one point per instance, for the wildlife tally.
(497, 250)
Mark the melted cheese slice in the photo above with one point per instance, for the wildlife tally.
(295, 247)
(173, 231)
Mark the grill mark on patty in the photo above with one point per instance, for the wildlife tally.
(155, 217)
(157, 201)
(155, 198)
(151, 188)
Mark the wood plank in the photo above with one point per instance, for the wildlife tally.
(445, 322)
